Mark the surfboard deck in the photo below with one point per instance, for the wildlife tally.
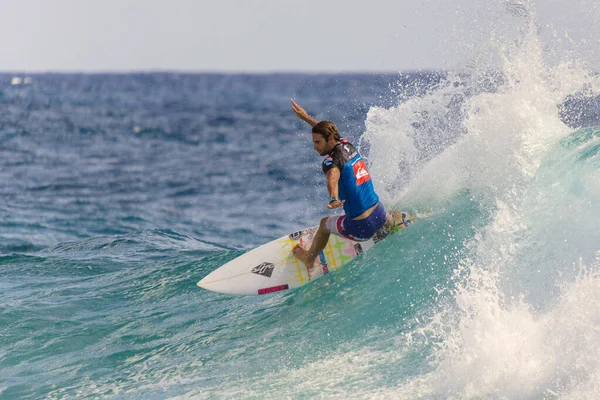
(272, 267)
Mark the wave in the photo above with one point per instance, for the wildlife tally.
(520, 308)
(493, 294)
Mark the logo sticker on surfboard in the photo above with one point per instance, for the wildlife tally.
(264, 269)
(273, 289)
(296, 235)
(358, 248)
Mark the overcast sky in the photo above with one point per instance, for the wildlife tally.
(272, 35)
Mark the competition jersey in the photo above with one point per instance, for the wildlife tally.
(355, 185)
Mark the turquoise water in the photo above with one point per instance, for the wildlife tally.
(122, 191)
(120, 316)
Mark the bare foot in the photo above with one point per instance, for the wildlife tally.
(395, 217)
(302, 254)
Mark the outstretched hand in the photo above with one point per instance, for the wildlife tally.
(336, 204)
(302, 114)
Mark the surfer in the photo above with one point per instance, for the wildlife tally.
(349, 185)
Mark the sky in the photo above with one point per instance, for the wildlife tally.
(273, 35)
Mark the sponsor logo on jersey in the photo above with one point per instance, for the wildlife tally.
(349, 152)
(328, 161)
(361, 173)
(264, 269)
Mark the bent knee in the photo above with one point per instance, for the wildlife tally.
(323, 223)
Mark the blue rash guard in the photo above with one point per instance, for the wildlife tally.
(355, 185)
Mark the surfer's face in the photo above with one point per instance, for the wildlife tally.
(322, 146)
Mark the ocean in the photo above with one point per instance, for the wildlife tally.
(119, 192)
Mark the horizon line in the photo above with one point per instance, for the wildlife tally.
(217, 72)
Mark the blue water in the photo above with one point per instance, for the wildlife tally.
(120, 192)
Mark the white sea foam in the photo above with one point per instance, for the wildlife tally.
(525, 316)
(502, 136)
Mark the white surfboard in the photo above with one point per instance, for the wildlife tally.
(272, 267)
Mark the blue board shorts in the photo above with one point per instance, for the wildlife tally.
(358, 230)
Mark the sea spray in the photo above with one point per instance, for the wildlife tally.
(519, 316)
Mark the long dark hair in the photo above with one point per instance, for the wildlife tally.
(326, 129)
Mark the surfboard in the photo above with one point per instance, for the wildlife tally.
(273, 268)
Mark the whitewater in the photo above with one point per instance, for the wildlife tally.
(121, 192)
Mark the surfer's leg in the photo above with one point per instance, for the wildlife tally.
(319, 242)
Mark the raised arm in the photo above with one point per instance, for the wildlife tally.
(302, 114)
